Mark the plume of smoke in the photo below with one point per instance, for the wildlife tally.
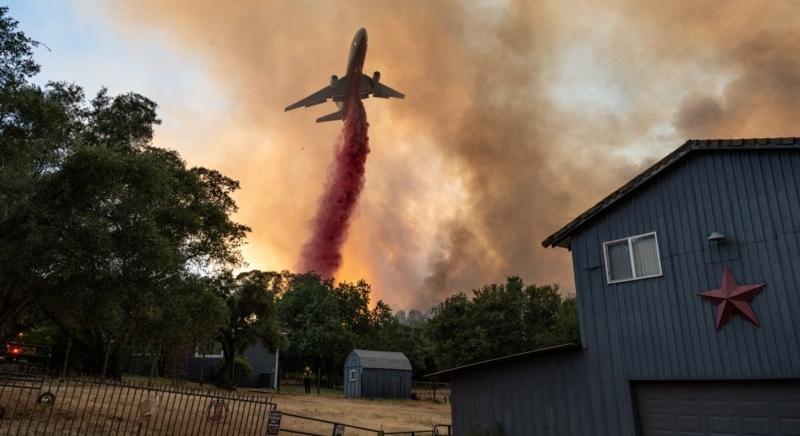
(483, 159)
(322, 253)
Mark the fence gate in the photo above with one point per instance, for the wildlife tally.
(78, 406)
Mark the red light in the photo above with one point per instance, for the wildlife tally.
(16, 350)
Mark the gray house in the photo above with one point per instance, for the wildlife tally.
(688, 287)
(203, 366)
(377, 374)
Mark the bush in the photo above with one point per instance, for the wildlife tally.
(241, 370)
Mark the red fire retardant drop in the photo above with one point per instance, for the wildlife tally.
(322, 253)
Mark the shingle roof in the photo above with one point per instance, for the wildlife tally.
(561, 237)
(383, 359)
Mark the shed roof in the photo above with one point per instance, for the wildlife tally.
(383, 359)
(561, 238)
(526, 354)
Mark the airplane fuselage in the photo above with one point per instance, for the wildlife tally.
(353, 85)
(355, 64)
(358, 52)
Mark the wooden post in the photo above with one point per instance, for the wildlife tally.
(275, 385)
(318, 378)
(152, 369)
(105, 360)
(66, 357)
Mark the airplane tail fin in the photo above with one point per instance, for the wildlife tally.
(338, 115)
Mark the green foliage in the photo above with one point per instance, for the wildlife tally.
(250, 298)
(500, 320)
(320, 320)
(241, 369)
(325, 322)
(16, 52)
(101, 233)
(388, 334)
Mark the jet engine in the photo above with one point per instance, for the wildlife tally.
(376, 76)
(334, 79)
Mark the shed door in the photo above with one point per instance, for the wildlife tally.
(719, 408)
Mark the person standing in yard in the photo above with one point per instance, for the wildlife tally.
(307, 380)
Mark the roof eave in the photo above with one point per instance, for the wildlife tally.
(541, 351)
(561, 238)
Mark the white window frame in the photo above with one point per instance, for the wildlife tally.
(630, 241)
(352, 375)
(199, 355)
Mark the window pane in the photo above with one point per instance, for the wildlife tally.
(645, 256)
(619, 261)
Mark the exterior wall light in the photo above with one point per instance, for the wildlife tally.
(716, 237)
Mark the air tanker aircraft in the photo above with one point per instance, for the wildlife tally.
(337, 91)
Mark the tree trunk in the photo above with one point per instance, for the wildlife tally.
(106, 355)
(66, 357)
(319, 374)
(119, 363)
(229, 361)
(153, 368)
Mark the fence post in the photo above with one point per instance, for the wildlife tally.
(66, 357)
(105, 360)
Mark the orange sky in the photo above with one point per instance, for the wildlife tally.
(519, 115)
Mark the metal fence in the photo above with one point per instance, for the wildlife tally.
(431, 391)
(292, 423)
(31, 405)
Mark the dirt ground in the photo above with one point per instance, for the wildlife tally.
(387, 415)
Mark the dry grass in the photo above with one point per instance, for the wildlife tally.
(388, 415)
(84, 407)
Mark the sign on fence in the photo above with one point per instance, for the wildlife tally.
(217, 411)
(147, 408)
(274, 423)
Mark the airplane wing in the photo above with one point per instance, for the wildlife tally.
(318, 97)
(329, 92)
(378, 89)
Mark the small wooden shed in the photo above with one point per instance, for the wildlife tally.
(377, 374)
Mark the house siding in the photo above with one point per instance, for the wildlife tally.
(262, 362)
(375, 382)
(352, 388)
(530, 396)
(385, 383)
(659, 328)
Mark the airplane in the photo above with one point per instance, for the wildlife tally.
(339, 87)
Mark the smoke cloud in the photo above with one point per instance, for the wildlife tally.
(519, 115)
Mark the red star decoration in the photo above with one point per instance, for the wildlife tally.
(732, 299)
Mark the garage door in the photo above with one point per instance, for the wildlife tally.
(719, 408)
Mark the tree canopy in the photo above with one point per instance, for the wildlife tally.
(101, 232)
(250, 300)
(501, 319)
